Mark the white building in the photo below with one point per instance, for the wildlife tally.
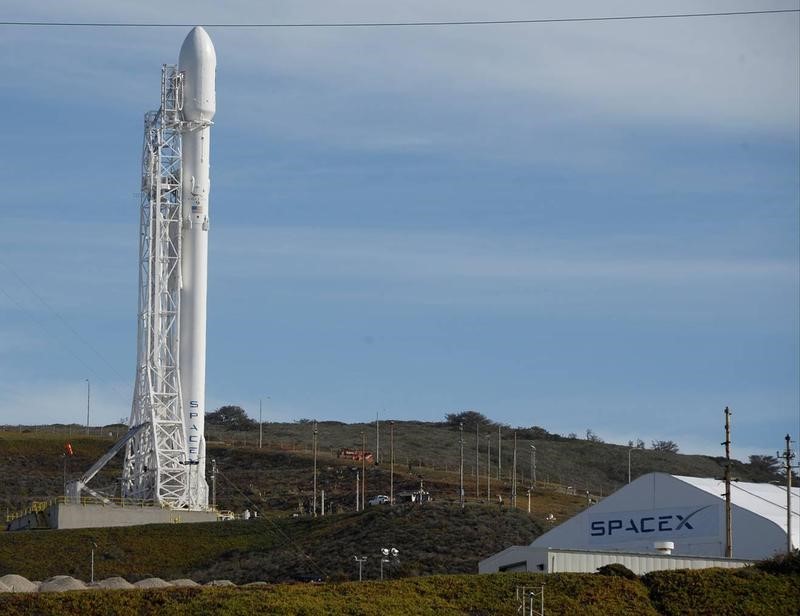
(657, 507)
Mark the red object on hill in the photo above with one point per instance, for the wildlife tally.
(68, 449)
(355, 454)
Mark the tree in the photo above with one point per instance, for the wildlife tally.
(766, 468)
(668, 446)
(468, 418)
(592, 437)
(765, 463)
(231, 418)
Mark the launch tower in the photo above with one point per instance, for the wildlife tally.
(165, 447)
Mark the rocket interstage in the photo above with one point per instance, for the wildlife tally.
(197, 63)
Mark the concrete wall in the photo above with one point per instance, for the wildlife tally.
(68, 515)
(91, 516)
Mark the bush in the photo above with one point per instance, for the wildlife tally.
(617, 570)
(781, 564)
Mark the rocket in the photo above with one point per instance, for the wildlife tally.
(197, 62)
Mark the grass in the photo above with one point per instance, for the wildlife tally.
(429, 447)
(278, 477)
(719, 591)
(433, 538)
(713, 591)
(437, 595)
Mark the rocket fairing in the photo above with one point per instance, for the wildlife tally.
(197, 62)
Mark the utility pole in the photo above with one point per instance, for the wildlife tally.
(213, 484)
(533, 481)
(728, 514)
(499, 452)
(358, 488)
(260, 425)
(88, 399)
(363, 470)
(314, 506)
(488, 467)
(377, 438)
(514, 475)
(461, 467)
(391, 463)
(788, 456)
(630, 449)
(360, 562)
(94, 545)
(477, 461)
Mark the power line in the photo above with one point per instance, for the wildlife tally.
(56, 336)
(277, 529)
(62, 319)
(393, 24)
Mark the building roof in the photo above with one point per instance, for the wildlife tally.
(764, 499)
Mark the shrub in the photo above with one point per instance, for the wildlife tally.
(617, 570)
(781, 564)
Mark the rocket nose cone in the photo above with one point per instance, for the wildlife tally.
(198, 62)
(197, 45)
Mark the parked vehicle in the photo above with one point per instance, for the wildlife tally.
(381, 499)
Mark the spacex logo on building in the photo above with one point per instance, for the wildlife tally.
(657, 523)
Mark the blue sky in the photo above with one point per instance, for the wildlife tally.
(570, 225)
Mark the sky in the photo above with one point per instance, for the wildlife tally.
(573, 225)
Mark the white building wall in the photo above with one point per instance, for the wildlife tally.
(543, 560)
(660, 507)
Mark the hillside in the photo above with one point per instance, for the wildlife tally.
(688, 593)
(278, 476)
(432, 538)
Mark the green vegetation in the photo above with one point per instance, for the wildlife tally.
(487, 595)
(782, 564)
(723, 591)
(713, 591)
(617, 570)
(278, 477)
(432, 538)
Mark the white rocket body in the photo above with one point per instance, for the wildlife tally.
(198, 64)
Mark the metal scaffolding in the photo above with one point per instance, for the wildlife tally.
(155, 467)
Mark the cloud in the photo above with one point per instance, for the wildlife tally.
(417, 87)
(408, 254)
(614, 277)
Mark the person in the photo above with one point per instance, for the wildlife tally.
(246, 514)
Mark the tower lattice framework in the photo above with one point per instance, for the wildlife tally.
(155, 467)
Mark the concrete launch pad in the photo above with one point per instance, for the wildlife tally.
(93, 515)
